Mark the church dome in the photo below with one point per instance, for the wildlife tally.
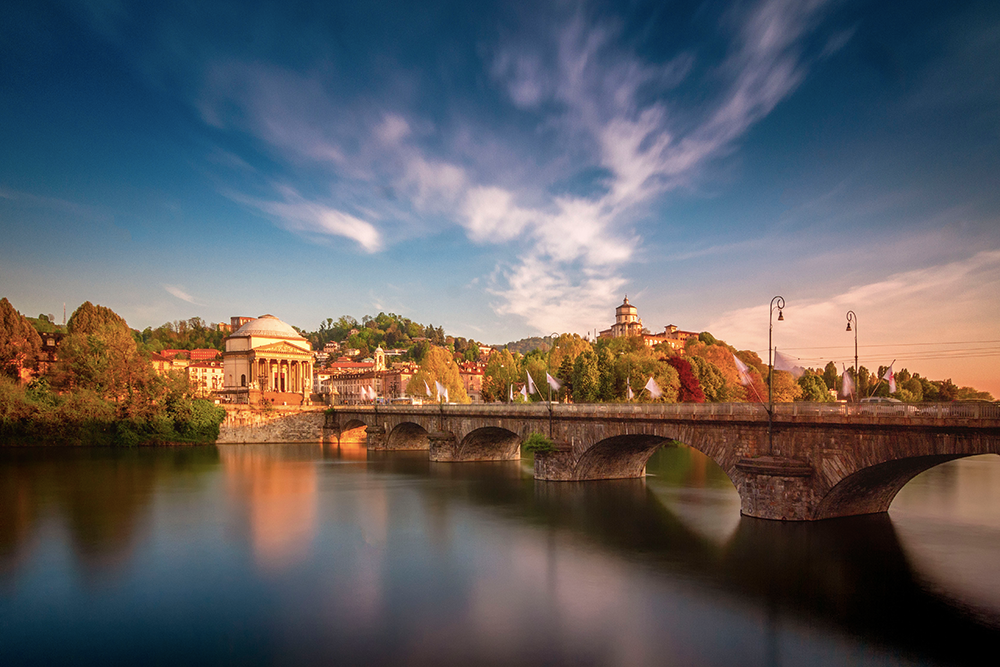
(268, 326)
(626, 307)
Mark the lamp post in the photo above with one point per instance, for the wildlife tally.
(851, 317)
(779, 303)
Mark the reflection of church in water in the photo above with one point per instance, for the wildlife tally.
(267, 359)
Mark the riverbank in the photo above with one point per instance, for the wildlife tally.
(34, 415)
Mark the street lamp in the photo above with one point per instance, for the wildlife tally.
(779, 303)
(851, 317)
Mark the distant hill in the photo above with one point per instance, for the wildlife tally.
(526, 345)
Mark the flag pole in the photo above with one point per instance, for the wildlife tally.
(880, 379)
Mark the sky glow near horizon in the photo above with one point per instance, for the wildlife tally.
(507, 172)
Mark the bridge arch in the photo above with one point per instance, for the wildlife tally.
(873, 488)
(408, 435)
(489, 443)
(618, 457)
(353, 430)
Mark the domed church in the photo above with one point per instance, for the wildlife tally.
(267, 359)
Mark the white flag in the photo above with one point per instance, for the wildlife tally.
(891, 377)
(743, 372)
(442, 393)
(510, 393)
(628, 389)
(524, 391)
(428, 388)
(653, 388)
(364, 393)
(531, 385)
(554, 383)
(847, 385)
(785, 363)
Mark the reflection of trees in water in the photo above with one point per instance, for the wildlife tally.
(850, 575)
(102, 496)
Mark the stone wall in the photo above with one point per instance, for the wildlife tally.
(245, 425)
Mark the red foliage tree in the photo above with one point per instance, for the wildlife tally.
(690, 389)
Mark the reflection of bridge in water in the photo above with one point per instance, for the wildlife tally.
(850, 575)
(819, 460)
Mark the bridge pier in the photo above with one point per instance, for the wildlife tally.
(443, 446)
(376, 437)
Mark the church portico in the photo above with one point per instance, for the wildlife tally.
(266, 359)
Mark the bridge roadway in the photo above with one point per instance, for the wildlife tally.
(821, 460)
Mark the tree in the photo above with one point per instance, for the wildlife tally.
(785, 388)
(689, 390)
(88, 319)
(712, 381)
(947, 391)
(636, 368)
(586, 377)
(565, 375)
(100, 354)
(813, 388)
(566, 346)
(502, 372)
(19, 342)
(438, 366)
(830, 375)
(536, 364)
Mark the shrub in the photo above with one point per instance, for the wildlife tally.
(537, 443)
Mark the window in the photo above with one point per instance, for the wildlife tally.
(243, 380)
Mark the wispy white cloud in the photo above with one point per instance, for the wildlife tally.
(179, 292)
(642, 144)
(315, 220)
(612, 108)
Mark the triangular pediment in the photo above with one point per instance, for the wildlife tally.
(281, 348)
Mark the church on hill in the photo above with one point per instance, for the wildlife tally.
(628, 323)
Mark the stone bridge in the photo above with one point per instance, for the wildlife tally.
(815, 461)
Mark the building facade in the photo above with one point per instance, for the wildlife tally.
(628, 323)
(266, 359)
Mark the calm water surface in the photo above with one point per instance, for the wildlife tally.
(284, 554)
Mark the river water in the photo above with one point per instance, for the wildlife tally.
(287, 554)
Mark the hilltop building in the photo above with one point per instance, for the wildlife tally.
(628, 323)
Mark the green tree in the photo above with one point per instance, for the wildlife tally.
(19, 342)
(566, 346)
(813, 388)
(586, 378)
(438, 366)
(502, 372)
(711, 379)
(830, 375)
(100, 354)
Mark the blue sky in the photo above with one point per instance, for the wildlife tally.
(505, 170)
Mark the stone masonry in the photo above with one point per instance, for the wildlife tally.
(248, 424)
